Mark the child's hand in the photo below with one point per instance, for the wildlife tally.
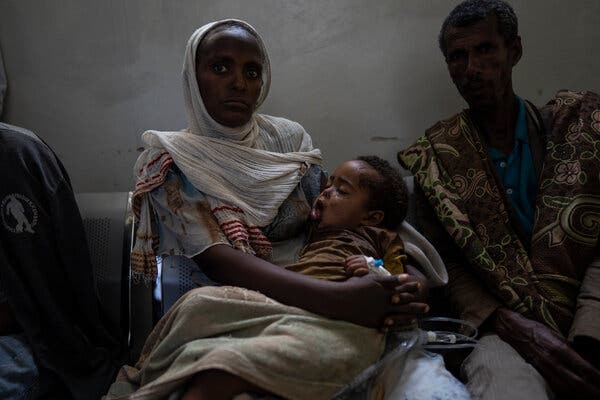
(356, 266)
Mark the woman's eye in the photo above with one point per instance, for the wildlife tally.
(253, 74)
(219, 68)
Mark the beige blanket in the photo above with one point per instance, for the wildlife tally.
(290, 352)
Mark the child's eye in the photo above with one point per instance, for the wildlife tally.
(253, 74)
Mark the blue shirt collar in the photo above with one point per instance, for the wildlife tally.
(521, 132)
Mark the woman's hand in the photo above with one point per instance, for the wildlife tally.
(407, 291)
(421, 288)
(384, 302)
(412, 289)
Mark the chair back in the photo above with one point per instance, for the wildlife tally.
(104, 219)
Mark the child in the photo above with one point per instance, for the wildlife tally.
(352, 219)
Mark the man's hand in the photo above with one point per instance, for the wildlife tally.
(567, 373)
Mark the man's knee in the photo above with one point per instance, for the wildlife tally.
(494, 370)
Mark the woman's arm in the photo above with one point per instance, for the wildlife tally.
(365, 301)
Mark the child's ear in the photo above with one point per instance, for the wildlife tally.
(373, 218)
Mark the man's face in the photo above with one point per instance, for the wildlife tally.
(480, 62)
(344, 203)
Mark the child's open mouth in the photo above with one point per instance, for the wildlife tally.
(316, 211)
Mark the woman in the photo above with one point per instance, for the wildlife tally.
(231, 192)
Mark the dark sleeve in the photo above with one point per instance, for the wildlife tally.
(46, 269)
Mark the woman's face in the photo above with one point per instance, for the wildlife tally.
(229, 75)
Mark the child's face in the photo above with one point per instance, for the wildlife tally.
(343, 203)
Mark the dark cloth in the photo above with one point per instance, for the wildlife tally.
(46, 272)
(541, 278)
(324, 255)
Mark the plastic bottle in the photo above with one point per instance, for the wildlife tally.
(376, 265)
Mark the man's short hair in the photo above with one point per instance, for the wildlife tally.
(388, 193)
(470, 12)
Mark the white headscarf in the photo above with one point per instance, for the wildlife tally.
(254, 167)
(200, 122)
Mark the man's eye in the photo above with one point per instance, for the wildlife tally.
(219, 68)
(485, 48)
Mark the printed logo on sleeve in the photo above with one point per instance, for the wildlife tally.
(19, 214)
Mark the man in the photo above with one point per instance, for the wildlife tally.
(54, 343)
(516, 191)
(2, 85)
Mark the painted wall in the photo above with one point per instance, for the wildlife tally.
(361, 76)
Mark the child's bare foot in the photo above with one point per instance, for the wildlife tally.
(216, 384)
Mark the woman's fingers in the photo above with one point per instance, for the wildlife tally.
(393, 281)
(411, 308)
(410, 287)
(405, 288)
(384, 297)
(403, 298)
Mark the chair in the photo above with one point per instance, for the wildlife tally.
(108, 223)
(179, 275)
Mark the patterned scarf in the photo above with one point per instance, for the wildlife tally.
(452, 166)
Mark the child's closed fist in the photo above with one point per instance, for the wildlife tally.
(356, 266)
